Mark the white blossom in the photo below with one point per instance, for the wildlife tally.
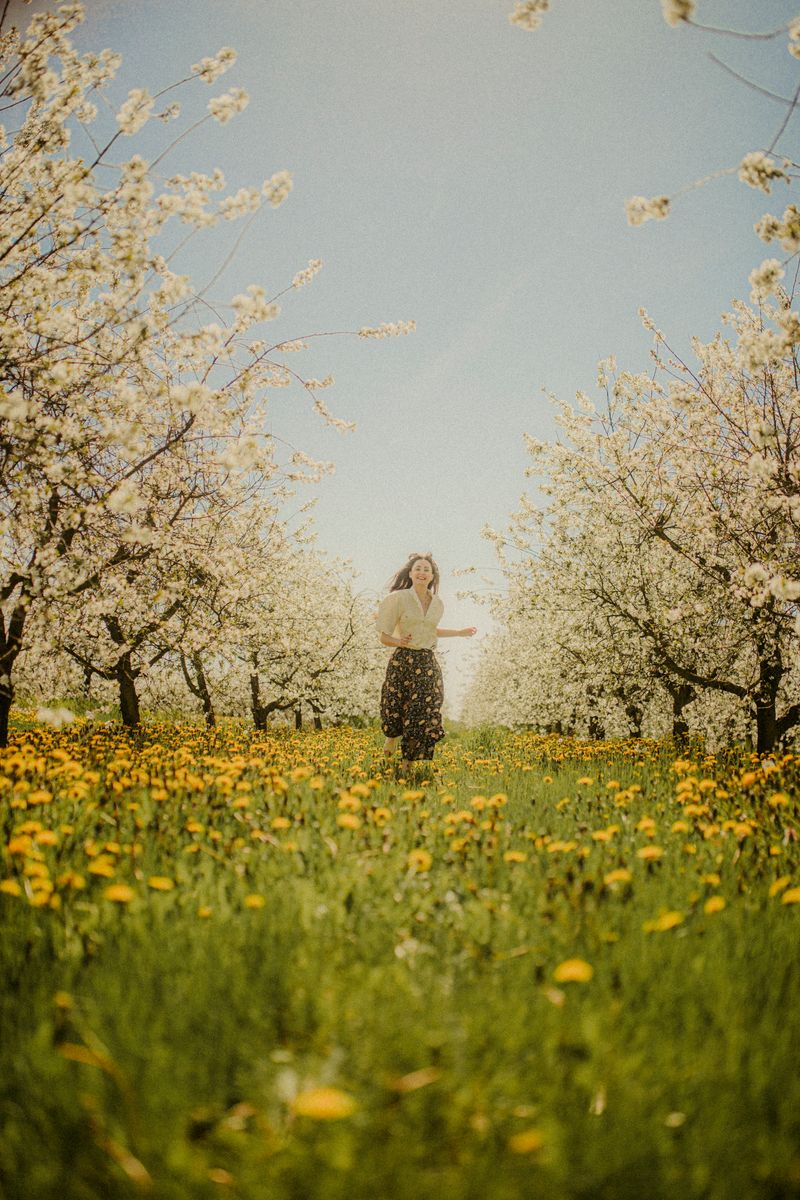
(223, 108)
(527, 13)
(639, 209)
(56, 718)
(136, 111)
(765, 279)
(210, 69)
(305, 276)
(395, 329)
(277, 188)
(676, 11)
(758, 170)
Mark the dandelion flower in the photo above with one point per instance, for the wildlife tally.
(663, 922)
(254, 900)
(324, 1104)
(649, 853)
(573, 970)
(420, 861)
(528, 1141)
(161, 883)
(120, 893)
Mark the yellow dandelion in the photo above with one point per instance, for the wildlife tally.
(412, 795)
(10, 887)
(663, 922)
(120, 893)
(254, 900)
(348, 820)
(161, 883)
(573, 970)
(792, 896)
(619, 875)
(512, 856)
(779, 885)
(585, 781)
(280, 823)
(324, 1104)
(204, 911)
(40, 796)
(714, 904)
(528, 1141)
(420, 860)
(102, 866)
(649, 853)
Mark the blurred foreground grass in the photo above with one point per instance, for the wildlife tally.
(248, 965)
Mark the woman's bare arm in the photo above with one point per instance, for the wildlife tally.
(457, 632)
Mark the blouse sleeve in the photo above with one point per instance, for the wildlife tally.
(388, 612)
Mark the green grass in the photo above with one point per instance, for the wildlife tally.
(150, 1051)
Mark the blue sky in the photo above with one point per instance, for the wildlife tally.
(453, 169)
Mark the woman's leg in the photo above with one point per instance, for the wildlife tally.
(392, 705)
(422, 724)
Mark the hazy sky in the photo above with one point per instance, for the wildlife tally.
(453, 169)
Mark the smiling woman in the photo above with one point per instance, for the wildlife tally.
(413, 691)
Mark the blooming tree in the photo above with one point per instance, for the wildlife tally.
(672, 514)
(130, 431)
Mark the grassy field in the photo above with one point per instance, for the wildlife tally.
(245, 965)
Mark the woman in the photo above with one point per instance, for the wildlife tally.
(412, 693)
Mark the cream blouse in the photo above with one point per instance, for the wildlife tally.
(402, 611)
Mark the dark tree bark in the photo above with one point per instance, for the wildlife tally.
(198, 686)
(10, 646)
(126, 676)
(596, 727)
(298, 718)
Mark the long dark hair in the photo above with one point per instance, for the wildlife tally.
(402, 580)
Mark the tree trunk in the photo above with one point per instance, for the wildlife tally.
(298, 718)
(317, 717)
(256, 707)
(205, 694)
(10, 646)
(128, 700)
(770, 673)
(6, 696)
(634, 713)
(766, 726)
(199, 687)
(682, 694)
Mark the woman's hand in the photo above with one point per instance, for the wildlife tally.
(468, 632)
(405, 640)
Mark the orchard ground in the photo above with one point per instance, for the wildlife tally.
(257, 965)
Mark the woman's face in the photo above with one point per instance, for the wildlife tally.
(422, 572)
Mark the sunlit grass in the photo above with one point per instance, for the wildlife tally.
(263, 965)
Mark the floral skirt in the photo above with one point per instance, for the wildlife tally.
(411, 702)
